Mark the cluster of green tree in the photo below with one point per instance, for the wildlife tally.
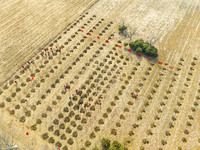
(106, 143)
(140, 46)
(122, 28)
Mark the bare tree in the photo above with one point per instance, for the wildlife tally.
(122, 22)
(153, 40)
(131, 32)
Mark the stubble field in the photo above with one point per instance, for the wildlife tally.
(166, 113)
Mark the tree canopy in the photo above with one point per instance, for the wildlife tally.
(126, 44)
(123, 148)
(139, 50)
(95, 148)
(105, 143)
(151, 51)
(116, 145)
(122, 28)
(140, 46)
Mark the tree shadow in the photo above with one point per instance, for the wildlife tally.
(143, 56)
(154, 59)
(123, 33)
(133, 53)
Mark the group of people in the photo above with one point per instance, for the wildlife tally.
(78, 92)
(134, 95)
(58, 49)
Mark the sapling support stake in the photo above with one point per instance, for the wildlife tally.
(19, 78)
(85, 108)
(26, 70)
(69, 91)
(70, 104)
(33, 63)
(60, 50)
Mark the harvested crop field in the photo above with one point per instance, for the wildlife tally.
(27, 26)
(93, 59)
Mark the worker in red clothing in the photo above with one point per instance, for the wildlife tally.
(134, 95)
(79, 92)
(66, 87)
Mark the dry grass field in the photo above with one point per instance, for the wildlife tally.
(27, 26)
(165, 115)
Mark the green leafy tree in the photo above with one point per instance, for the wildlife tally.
(105, 142)
(116, 144)
(139, 50)
(139, 43)
(136, 44)
(112, 148)
(122, 28)
(154, 51)
(151, 51)
(95, 148)
(148, 50)
(123, 148)
(145, 45)
(126, 44)
(141, 46)
(131, 44)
